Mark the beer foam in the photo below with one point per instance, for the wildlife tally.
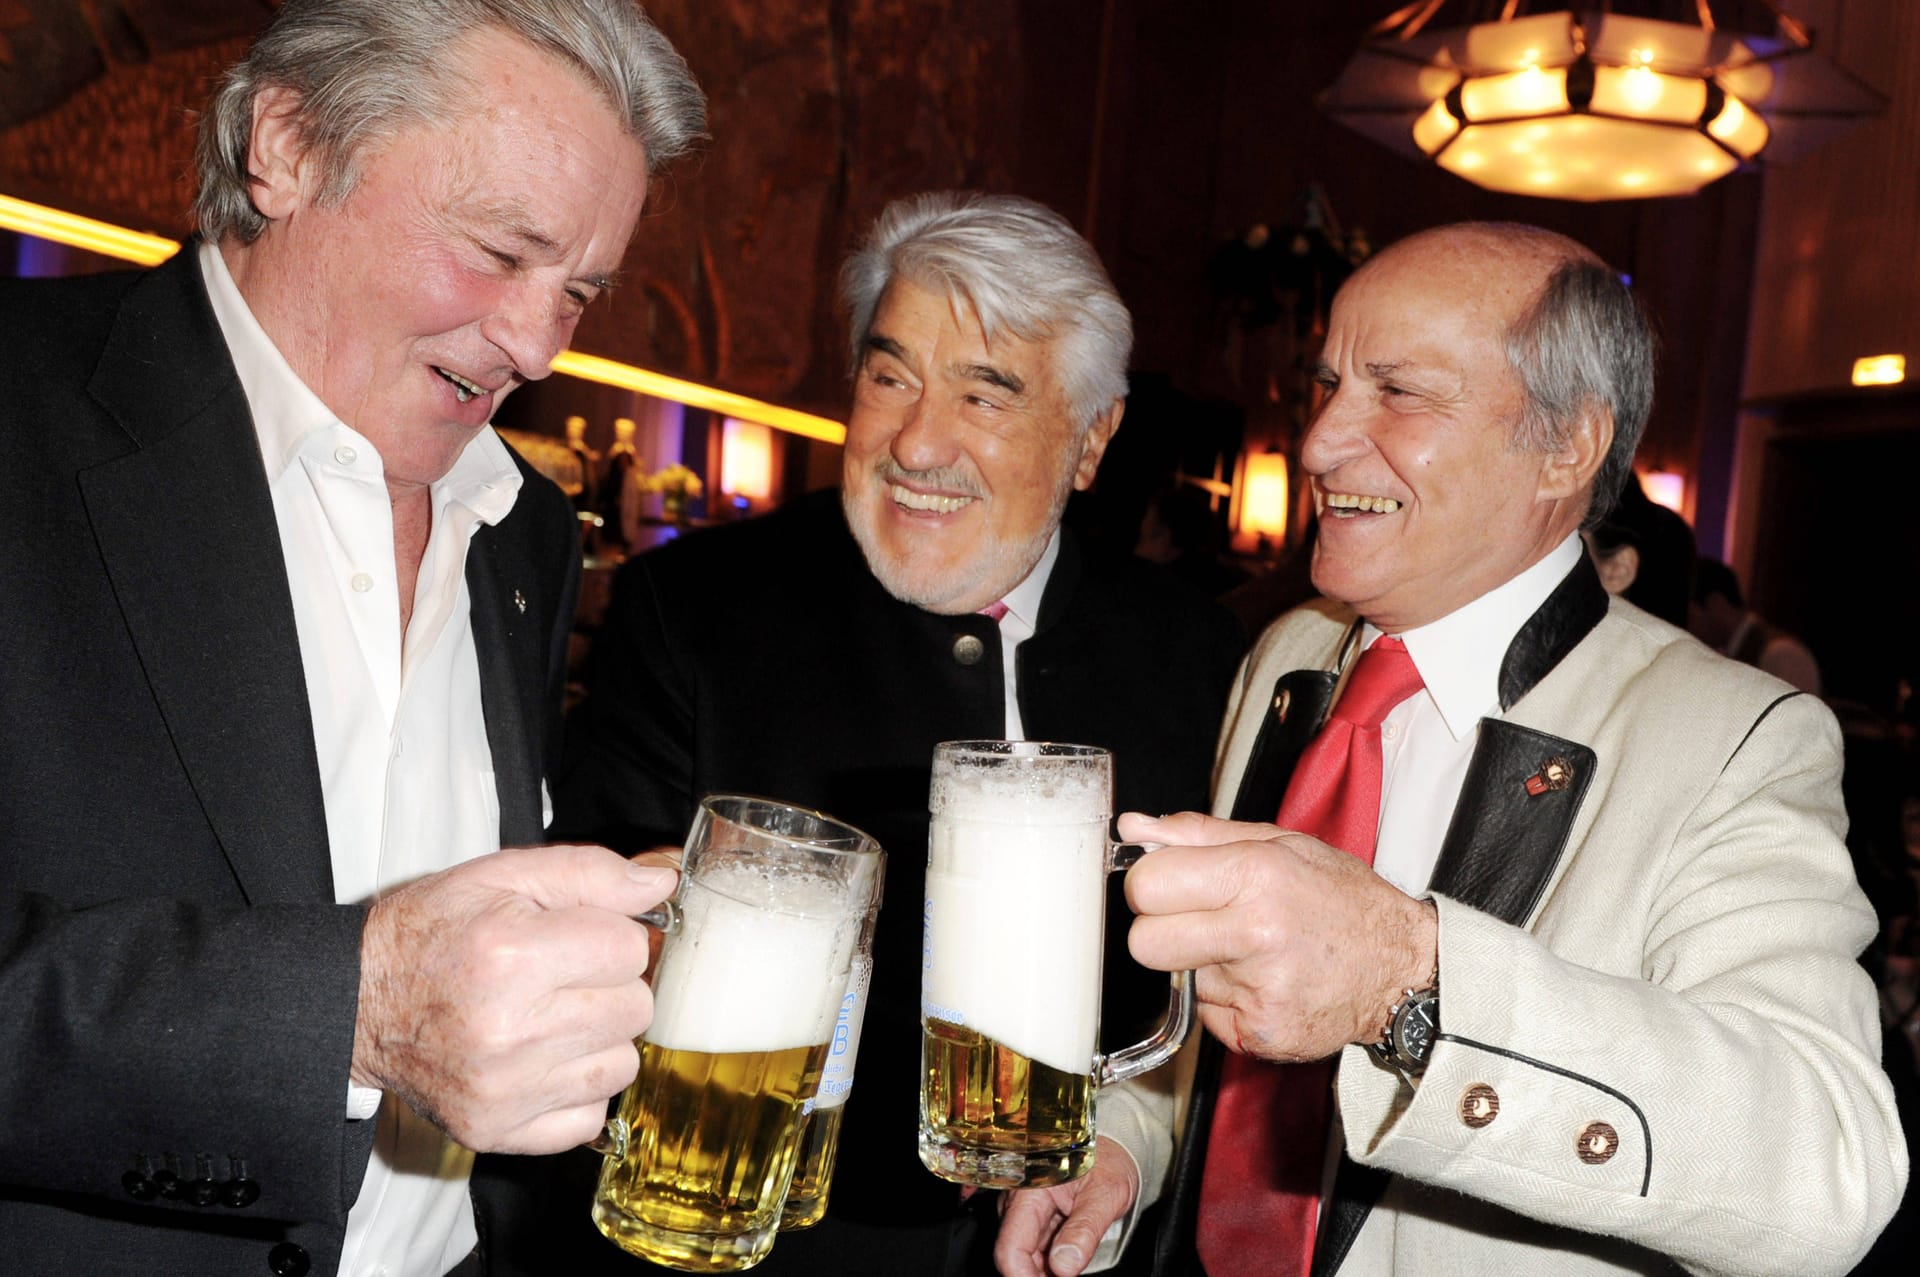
(759, 962)
(1008, 793)
(1014, 913)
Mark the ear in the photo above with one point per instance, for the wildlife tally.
(1094, 445)
(1568, 473)
(277, 168)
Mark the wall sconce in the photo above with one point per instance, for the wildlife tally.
(1664, 487)
(746, 459)
(118, 242)
(1880, 370)
(1263, 497)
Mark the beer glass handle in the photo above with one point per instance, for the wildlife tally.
(612, 1139)
(1145, 1056)
(665, 916)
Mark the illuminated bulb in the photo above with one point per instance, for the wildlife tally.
(1880, 370)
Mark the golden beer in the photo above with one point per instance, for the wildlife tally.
(752, 975)
(1011, 937)
(813, 1170)
(993, 1117)
(713, 1146)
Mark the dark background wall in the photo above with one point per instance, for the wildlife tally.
(1165, 129)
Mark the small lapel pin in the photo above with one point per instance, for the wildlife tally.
(1554, 774)
(1280, 704)
(520, 601)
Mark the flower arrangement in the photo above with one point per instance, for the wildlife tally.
(676, 485)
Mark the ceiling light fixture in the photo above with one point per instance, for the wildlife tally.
(1593, 104)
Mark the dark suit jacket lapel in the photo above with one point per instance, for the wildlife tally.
(185, 527)
(1517, 806)
(513, 674)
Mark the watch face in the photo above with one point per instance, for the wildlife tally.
(1414, 1032)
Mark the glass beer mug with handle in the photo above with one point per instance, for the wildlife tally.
(1017, 862)
(759, 948)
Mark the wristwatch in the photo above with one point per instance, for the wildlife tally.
(1412, 1026)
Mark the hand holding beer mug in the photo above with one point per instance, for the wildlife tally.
(758, 956)
(1017, 862)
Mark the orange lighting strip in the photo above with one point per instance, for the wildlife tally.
(150, 250)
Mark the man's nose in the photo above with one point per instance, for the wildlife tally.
(927, 438)
(528, 325)
(1337, 433)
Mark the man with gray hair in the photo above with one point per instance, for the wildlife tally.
(1561, 893)
(285, 641)
(819, 654)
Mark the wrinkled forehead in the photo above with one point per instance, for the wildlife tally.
(1405, 313)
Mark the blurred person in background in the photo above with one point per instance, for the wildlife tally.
(1720, 618)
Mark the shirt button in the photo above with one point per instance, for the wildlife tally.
(1390, 731)
(345, 456)
(362, 582)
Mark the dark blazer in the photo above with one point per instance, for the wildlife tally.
(180, 988)
(764, 657)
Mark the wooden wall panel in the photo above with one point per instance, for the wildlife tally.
(1837, 271)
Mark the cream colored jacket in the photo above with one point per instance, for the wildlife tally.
(1677, 1051)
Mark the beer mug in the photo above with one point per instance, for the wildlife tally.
(1017, 861)
(758, 954)
(820, 1129)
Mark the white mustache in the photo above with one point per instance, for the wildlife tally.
(951, 480)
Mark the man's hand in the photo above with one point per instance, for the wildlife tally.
(501, 998)
(1297, 948)
(1052, 1232)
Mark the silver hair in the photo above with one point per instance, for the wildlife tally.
(1021, 269)
(363, 69)
(1585, 343)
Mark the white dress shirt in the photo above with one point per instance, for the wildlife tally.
(1018, 625)
(1427, 740)
(405, 769)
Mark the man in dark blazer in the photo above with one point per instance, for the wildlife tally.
(228, 1010)
(1593, 997)
(818, 654)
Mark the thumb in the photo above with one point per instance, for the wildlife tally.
(1193, 829)
(566, 877)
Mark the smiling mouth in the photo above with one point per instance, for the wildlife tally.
(929, 502)
(463, 389)
(1351, 503)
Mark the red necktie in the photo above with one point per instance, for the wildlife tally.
(1260, 1190)
(994, 611)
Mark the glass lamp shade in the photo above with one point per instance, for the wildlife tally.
(1593, 105)
(1578, 156)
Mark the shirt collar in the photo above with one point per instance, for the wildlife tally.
(1023, 600)
(1459, 655)
(287, 415)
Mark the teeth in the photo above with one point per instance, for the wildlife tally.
(1354, 501)
(926, 501)
(463, 390)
